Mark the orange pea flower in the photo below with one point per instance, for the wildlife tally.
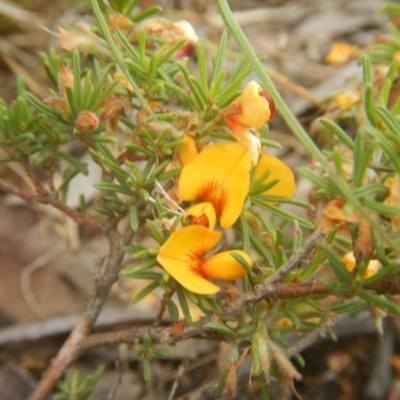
(219, 175)
(252, 109)
(184, 257)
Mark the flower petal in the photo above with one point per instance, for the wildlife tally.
(187, 278)
(202, 214)
(224, 266)
(220, 174)
(254, 107)
(182, 253)
(188, 150)
(243, 135)
(286, 186)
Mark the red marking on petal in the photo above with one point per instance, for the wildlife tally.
(201, 220)
(270, 101)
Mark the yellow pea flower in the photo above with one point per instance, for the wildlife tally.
(219, 175)
(184, 257)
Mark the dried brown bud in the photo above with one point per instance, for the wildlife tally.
(172, 32)
(110, 108)
(119, 22)
(81, 38)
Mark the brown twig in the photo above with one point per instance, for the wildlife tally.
(296, 258)
(168, 335)
(72, 348)
(47, 198)
(163, 306)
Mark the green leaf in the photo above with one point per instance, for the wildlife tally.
(149, 275)
(134, 220)
(144, 292)
(378, 301)
(143, 14)
(262, 202)
(337, 265)
(154, 232)
(342, 308)
(202, 65)
(138, 268)
(218, 61)
(338, 132)
(369, 101)
(162, 353)
(255, 241)
(382, 273)
(146, 370)
(296, 321)
(183, 303)
(45, 109)
(79, 165)
(241, 261)
(246, 330)
(113, 187)
(103, 210)
(172, 310)
(220, 328)
(382, 208)
(387, 83)
(245, 234)
(389, 120)
(140, 149)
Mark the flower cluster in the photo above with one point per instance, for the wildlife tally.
(215, 182)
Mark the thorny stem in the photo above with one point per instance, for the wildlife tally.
(53, 200)
(72, 348)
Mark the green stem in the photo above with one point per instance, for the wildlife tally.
(292, 121)
(118, 56)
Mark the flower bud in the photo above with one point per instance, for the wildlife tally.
(87, 121)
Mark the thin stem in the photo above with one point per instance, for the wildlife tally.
(72, 348)
(53, 200)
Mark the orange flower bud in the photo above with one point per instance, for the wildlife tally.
(87, 121)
